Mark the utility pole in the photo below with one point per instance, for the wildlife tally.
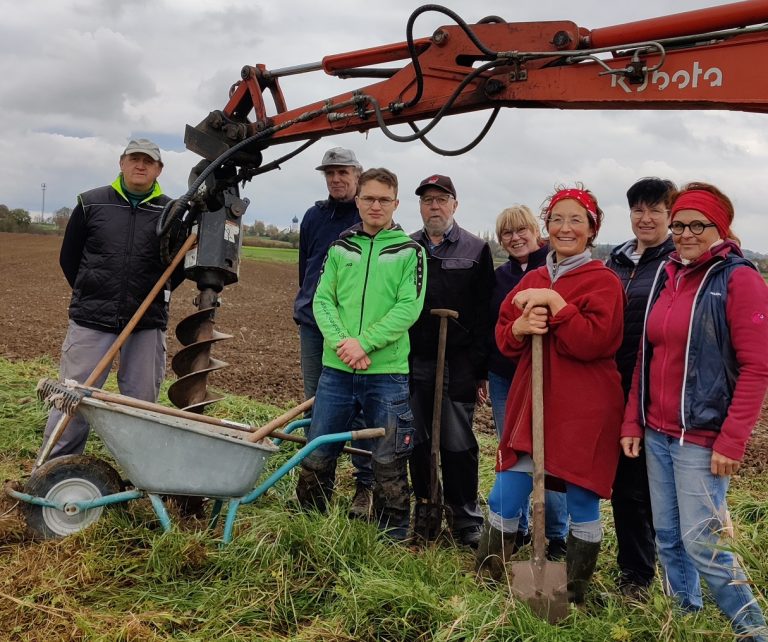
(42, 209)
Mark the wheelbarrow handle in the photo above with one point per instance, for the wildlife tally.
(368, 433)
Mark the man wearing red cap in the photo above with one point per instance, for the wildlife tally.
(459, 277)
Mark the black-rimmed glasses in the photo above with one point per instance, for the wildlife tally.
(696, 227)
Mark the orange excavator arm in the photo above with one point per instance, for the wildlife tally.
(704, 59)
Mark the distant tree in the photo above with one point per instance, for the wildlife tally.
(21, 217)
(61, 217)
(4, 211)
(272, 231)
(258, 228)
(16, 220)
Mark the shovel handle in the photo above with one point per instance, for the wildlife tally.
(537, 421)
(368, 433)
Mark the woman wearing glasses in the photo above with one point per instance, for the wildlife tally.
(698, 387)
(517, 231)
(576, 303)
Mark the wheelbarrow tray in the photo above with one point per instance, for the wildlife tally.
(172, 456)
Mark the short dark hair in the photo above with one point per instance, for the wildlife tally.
(378, 174)
(651, 190)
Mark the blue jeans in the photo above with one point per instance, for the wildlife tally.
(689, 509)
(510, 498)
(555, 507)
(382, 399)
(311, 341)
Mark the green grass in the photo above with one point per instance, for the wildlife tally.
(294, 576)
(282, 255)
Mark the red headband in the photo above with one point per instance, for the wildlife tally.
(709, 205)
(585, 199)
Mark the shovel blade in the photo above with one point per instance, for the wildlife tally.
(544, 588)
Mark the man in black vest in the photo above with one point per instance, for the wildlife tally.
(110, 257)
(636, 263)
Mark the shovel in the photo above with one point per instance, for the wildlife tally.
(540, 583)
(430, 513)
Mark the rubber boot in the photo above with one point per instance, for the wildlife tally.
(315, 486)
(392, 498)
(580, 561)
(493, 551)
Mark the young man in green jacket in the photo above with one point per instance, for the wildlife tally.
(370, 292)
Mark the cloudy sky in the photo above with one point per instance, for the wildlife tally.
(81, 77)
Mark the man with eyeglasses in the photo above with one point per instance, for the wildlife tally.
(460, 277)
(636, 263)
(370, 292)
(322, 224)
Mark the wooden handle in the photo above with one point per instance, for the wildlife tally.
(537, 425)
(106, 360)
(268, 428)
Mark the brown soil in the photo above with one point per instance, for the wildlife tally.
(263, 354)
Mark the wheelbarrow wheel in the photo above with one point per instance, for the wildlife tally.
(70, 478)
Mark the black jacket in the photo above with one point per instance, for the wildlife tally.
(637, 281)
(111, 258)
(459, 277)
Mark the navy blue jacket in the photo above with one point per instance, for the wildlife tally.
(459, 277)
(322, 224)
(637, 281)
(507, 278)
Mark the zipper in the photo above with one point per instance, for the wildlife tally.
(365, 287)
(126, 254)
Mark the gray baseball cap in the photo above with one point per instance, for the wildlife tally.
(339, 156)
(143, 146)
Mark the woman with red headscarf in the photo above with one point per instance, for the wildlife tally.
(698, 387)
(576, 304)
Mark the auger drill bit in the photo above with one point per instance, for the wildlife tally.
(193, 363)
(213, 265)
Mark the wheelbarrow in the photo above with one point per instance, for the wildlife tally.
(161, 454)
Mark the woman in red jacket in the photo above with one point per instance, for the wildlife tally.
(698, 386)
(576, 303)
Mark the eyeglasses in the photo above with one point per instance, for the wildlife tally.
(440, 200)
(559, 221)
(384, 201)
(653, 212)
(520, 231)
(696, 227)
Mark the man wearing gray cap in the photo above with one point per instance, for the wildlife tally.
(322, 224)
(110, 257)
(459, 277)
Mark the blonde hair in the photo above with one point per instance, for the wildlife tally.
(515, 217)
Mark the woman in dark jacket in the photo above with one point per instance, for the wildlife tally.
(697, 391)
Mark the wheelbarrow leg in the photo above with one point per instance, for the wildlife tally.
(160, 511)
(215, 512)
(229, 523)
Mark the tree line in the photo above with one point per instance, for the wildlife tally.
(20, 220)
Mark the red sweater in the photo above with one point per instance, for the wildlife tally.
(583, 398)
(667, 331)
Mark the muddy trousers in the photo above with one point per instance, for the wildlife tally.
(391, 499)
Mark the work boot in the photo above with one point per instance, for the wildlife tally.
(494, 549)
(362, 503)
(469, 536)
(556, 549)
(580, 561)
(315, 487)
(392, 498)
